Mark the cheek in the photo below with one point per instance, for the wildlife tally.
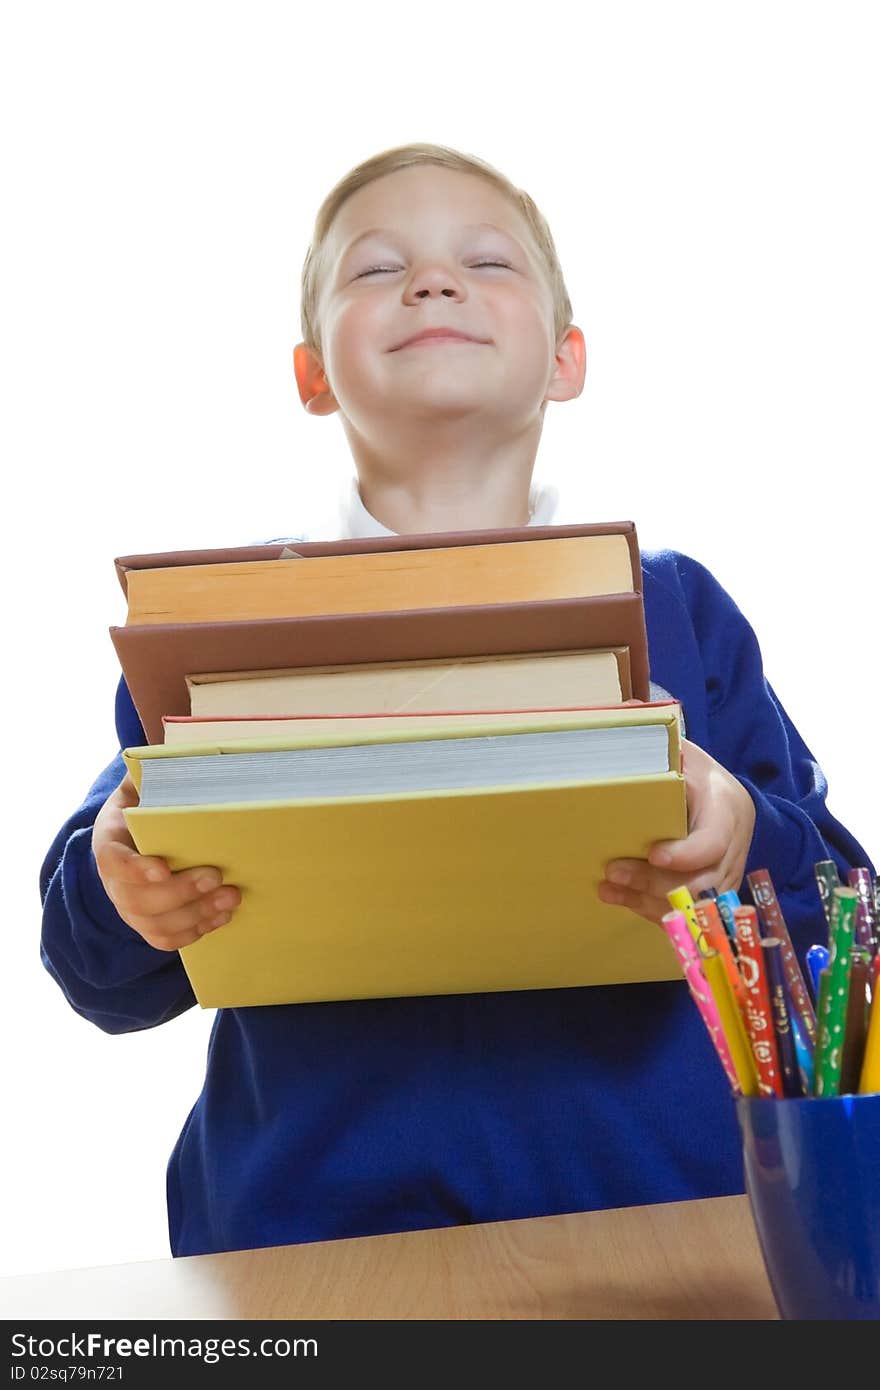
(526, 319)
(353, 335)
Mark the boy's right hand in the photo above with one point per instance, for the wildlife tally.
(169, 910)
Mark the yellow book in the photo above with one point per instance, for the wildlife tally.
(426, 891)
(381, 581)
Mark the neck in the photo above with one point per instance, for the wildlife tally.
(446, 494)
(407, 512)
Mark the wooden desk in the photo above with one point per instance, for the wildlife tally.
(681, 1260)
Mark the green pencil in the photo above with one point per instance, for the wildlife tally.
(829, 1043)
(827, 879)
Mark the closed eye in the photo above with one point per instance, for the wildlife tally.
(389, 269)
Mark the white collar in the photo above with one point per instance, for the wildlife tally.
(355, 520)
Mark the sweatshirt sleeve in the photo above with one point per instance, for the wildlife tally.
(752, 736)
(108, 973)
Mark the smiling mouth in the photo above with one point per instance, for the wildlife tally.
(447, 338)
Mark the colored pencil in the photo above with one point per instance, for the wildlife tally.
(773, 925)
(829, 1048)
(675, 924)
(759, 1018)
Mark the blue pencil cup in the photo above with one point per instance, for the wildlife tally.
(812, 1172)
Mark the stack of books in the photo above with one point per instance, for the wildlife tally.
(412, 754)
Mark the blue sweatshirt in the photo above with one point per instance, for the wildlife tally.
(356, 1118)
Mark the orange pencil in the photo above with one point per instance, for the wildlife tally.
(712, 928)
(759, 1015)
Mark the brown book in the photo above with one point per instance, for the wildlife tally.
(439, 576)
(157, 658)
(517, 681)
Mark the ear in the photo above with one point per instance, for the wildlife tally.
(571, 367)
(314, 388)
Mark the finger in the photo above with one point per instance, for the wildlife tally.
(703, 846)
(204, 885)
(642, 877)
(116, 852)
(171, 931)
(639, 876)
(126, 793)
(119, 862)
(646, 905)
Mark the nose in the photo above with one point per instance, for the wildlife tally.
(433, 280)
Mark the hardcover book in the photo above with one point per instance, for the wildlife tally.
(451, 862)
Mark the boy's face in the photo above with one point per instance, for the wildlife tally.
(452, 253)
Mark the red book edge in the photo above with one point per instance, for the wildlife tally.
(402, 714)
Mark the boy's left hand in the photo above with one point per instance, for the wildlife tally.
(721, 822)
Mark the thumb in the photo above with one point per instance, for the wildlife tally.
(113, 845)
(117, 855)
(126, 793)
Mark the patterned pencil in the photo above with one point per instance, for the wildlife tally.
(827, 879)
(773, 925)
(866, 918)
(681, 901)
(856, 1028)
(726, 903)
(759, 1019)
(712, 927)
(676, 926)
(829, 1047)
(869, 1080)
(788, 1067)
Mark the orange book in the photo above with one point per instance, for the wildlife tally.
(382, 582)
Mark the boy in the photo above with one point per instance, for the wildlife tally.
(340, 1119)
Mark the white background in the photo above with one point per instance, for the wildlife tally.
(709, 173)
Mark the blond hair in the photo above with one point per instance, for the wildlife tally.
(405, 157)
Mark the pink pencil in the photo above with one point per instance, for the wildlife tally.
(676, 928)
